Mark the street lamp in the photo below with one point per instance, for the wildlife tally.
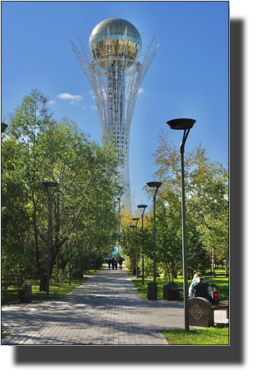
(186, 125)
(133, 226)
(68, 210)
(142, 206)
(119, 203)
(49, 184)
(118, 198)
(152, 286)
(136, 219)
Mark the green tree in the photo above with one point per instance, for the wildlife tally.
(197, 255)
(169, 241)
(86, 173)
(206, 196)
(16, 216)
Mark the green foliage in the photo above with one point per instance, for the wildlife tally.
(36, 148)
(197, 336)
(207, 207)
(198, 256)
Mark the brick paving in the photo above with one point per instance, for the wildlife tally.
(106, 310)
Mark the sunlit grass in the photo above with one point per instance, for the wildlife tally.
(56, 290)
(197, 336)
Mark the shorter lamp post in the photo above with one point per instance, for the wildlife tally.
(152, 286)
(49, 184)
(136, 219)
(186, 125)
(118, 198)
(68, 209)
(133, 226)
(142, 206)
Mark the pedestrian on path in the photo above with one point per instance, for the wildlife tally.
(109, 261)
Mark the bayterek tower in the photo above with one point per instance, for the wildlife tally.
(115, 68)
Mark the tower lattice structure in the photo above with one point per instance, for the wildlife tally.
(115, 69)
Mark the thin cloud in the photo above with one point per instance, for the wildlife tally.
(67, 96)
(140, 91)
(51, 102)
(93, 107)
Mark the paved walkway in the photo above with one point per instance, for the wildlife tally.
(105, 310)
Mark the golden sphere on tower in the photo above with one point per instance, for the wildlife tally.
(104, 47)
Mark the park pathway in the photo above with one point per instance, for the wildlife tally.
(106, 310)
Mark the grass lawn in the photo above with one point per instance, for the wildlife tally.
(197, 336)
(56, 290)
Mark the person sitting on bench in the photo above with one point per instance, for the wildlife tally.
(200, 288)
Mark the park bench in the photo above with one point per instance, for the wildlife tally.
(222, 305)
(201, 311)
(174, 293)
(171, 291)
(24, 293)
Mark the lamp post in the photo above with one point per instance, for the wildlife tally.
(142, 206)
(119, 203)
(68, 209)
(49, 184)
(119, 219)
(136, 219)
(133, 226)
(152, 286)
(186, 125)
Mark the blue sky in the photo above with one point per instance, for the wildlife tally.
(188, 77)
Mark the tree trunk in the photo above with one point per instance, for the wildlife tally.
(213, 272)
(43, 278)
(43, 281)
(226, 272)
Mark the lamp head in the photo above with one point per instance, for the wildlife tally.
(181, 124)
(135, 219)
(133, 226)
(154, 184)
(50, 184)
(142, 206)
